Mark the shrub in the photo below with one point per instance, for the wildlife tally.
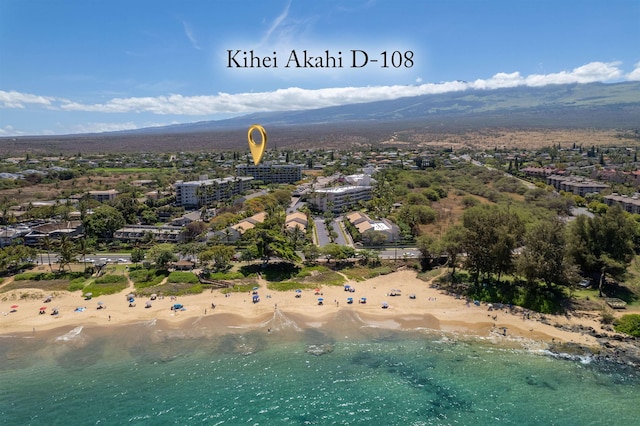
(183, 277)
(77, 284)
(111, 279)
(225, 276)
(629, 324)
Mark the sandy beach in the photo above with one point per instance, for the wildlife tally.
(430, 309)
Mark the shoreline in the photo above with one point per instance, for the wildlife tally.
(431, 309)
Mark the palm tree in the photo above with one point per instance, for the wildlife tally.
(46, 242)
(83, 250)
(66, 253)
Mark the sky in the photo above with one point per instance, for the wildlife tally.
(81, 66)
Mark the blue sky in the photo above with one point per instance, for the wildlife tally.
(89, 66)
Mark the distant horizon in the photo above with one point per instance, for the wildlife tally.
(77, 67)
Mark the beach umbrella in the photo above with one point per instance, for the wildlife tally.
(255, 288)
(298, 291)
(14, 306)
(130, 296)
(43, 308)
(100, 303)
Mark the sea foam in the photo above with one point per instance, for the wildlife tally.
(73, 334)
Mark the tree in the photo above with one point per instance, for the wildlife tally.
(296, 236)
(193, 230)
(491, 235)
(337, 252)
(544, 256)
(373, 238)
(311, 252)
(603, 244)
(66, 253)
(427, 246)
(452, 243)
(271, 243)
(137, 255)
(84, 246)
(47, 243)
(221, 255)
(369, 257)
(162, 254)
(104, 221)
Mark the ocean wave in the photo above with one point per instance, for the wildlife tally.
(583, 359)
(73, 334)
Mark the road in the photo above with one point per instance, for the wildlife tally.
(321, 232)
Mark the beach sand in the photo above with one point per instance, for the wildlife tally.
(431, 309)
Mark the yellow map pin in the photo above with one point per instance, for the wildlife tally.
(257, 149)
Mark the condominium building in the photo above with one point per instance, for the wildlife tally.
(339, 198)
(628, 204)
(104, 196)
(277, 173)
(194, 194)
(576, 185)
(161, 234)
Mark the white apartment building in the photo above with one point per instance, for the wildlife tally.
(196, 193)
(276, 173)
(339, 198)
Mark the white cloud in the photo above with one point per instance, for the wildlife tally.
(15, 99)
(8, 130)
(635, 74)
(277, 22)
(295, 98)
(98, 127)
(190, 35)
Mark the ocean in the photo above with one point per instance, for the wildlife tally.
(342, 373)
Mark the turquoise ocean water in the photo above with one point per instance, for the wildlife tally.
(147, 374)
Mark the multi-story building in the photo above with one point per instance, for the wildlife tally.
(276, 173)
(628, 204)
(338, 198)
(194, 194)
(161, 234)
(104, 196)
(576, 185)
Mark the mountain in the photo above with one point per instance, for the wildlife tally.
(618, 101)
(570, 106)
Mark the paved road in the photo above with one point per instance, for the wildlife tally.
(340, 238)
(321, 232)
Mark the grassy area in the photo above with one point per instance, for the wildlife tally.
(45, 285)
(225, 276)
(245, 287)
(290, 285)
(430, 275)
(47, 276)
(182, 277)
(107, 284)
(143, 278)
(172, 289)
(361, 273)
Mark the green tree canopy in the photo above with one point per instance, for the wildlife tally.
(104, 221)
(162, 254)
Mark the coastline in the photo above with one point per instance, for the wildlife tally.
(278, 311)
